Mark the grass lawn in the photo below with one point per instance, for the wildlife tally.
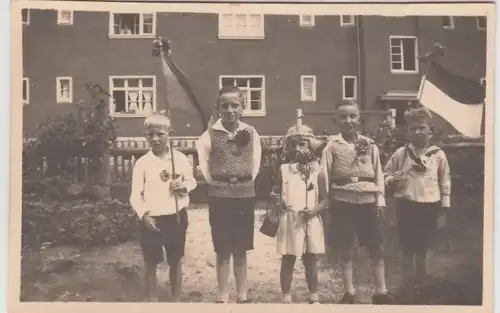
(114, 273)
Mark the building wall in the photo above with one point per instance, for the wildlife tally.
(327, 50)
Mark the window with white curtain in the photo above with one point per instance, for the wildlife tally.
(253, 89)
(64, 89)
(133, 95)
(132, 24)
(241, 26)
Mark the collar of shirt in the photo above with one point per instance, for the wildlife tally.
(340, 138)
(167, 157)
(218, 126)
(421, 151)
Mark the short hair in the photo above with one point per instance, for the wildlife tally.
(232, 89)
(346, 102)
(157, 120)
(418, 115)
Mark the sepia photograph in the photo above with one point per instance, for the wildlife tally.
(230, 154)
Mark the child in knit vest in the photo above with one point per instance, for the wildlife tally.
(229, 154)
(300, 232)
(420, 176)
(355, 181)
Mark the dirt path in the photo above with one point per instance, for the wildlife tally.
(114, 273)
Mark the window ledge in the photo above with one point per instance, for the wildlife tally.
(64, 101)
(254, 114)
(148, 36)
(257, 37)
(129, 115)
(25, 102)
(404, 72)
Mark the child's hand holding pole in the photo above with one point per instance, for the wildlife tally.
(177, 186)
(310, 213)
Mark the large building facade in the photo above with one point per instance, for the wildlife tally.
(282, 62)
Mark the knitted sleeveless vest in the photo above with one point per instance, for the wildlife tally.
(230, 167)
(347, 164)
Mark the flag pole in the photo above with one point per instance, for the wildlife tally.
(429, 57)
(164, 51)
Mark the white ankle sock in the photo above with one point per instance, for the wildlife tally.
(287, 298)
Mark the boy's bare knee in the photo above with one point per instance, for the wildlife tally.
(240, 255)
(223, 257)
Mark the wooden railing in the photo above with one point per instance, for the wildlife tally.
(122, 159)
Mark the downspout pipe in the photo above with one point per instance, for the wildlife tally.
(360, 81)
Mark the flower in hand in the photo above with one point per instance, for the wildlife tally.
(398, 176)
(242, 137)
(307, 213)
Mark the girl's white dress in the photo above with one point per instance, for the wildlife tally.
(292, 237)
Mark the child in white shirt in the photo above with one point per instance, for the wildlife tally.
(419, 174)
(153, 198)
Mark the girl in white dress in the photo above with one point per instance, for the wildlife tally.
(300, 232)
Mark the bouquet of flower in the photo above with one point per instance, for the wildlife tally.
(362, 147)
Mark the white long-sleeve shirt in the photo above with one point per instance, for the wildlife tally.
(150, 193)
(204, 147)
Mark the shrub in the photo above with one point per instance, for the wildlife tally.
(56, 149)
(80, 222)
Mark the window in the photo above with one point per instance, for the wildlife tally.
(448, 22)
(347, 20)
(349, 88)
(308, 88)
(306, 20)
(25, 16)
(132, 95)
(404, 54)
(132, 25)
(64, 89)
(243, 26)
(481, 22)
(26, 91)
(253, 87)
(65, 17)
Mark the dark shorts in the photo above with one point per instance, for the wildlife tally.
(172, 237)
(232, 224)
(417, 224)
(348, 220)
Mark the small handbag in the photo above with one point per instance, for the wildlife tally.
(269, 226)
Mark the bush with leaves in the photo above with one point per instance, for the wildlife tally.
(52, 154)
(82, 223)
